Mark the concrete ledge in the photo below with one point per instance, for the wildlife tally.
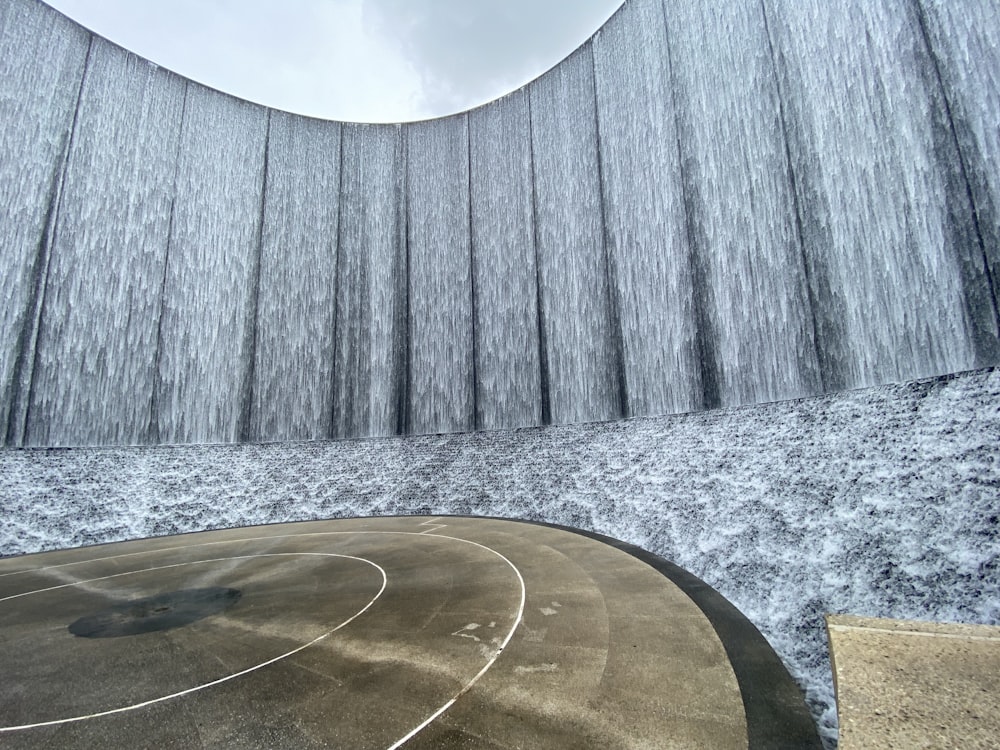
(905, 683)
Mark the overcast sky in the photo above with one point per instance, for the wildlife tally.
(358, 60)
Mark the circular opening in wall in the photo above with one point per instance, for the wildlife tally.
(352, 60)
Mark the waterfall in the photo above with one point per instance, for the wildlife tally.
(705, 205)
(297, 301)
(883, 224)
(210, 284)
(505, 272)
(37, 108)
(441, 382)
(649, 259)
(371, 343)
(94, 367)
(574, 299)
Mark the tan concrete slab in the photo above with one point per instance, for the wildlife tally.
(364, 633)
(911, 684)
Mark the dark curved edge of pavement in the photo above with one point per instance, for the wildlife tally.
(776, 712)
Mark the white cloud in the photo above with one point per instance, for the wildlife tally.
(360, 60)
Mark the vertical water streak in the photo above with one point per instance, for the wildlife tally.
(877, 189)
(582, 362)
(964, 42)
(740, 212)
(252, 315)
(545, 407)
(292, 392)
(371, 284)
(42, 65)
(503, 245)
(822, 358)
(441, 387)
(707, 373)
(96, 346)
(403, 379)
(152, 425)
(211, 269)
(474, 377)
(644, 211)
(612, 284)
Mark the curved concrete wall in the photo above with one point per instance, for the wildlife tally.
(702, 206)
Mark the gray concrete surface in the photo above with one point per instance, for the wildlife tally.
(364, 633)
(912, 684)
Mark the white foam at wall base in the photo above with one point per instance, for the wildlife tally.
(881, 502)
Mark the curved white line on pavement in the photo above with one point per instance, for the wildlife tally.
(219, 681)
(399, 743)
(496, 655)
(517, 619)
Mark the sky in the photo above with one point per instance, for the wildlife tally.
(354, 60)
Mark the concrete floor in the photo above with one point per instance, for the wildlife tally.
(375, 633)
(913, 684)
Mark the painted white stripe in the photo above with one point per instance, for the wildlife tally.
(496, 655)
(434, 525)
